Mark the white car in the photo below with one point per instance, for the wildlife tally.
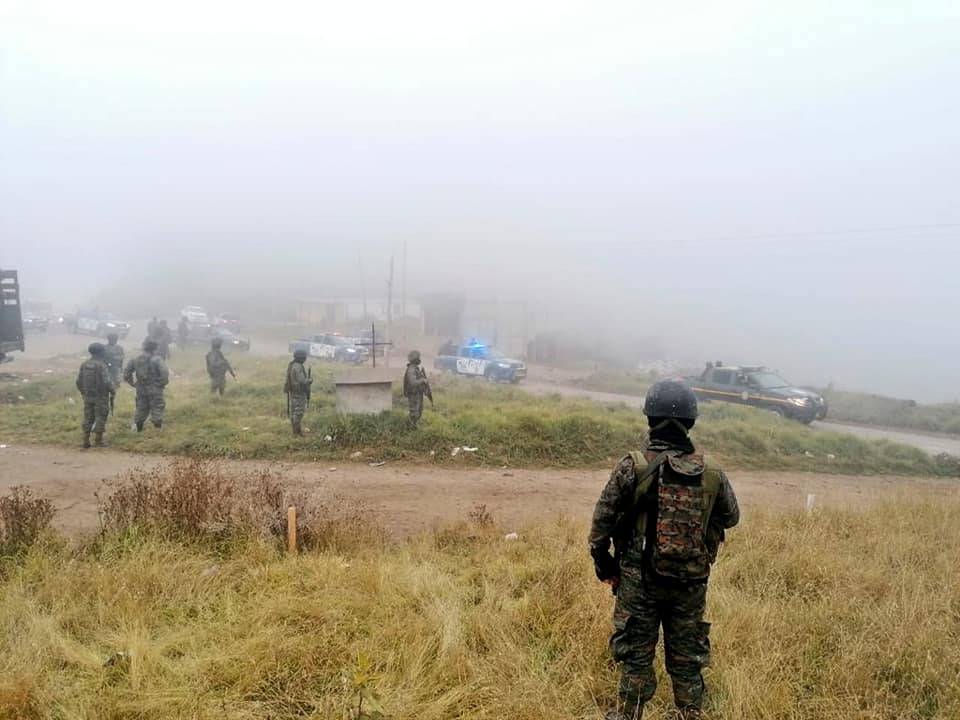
(195, 315)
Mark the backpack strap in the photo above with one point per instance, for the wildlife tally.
(644, 481)
(712, 480)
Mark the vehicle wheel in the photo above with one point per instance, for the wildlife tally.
(490, 377)
(778, 412)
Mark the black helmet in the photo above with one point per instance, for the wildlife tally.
(112, 337)
(670, 399)
(216, 342)
(413, 356)
(95, 349)
(300, 354)
(149, 345)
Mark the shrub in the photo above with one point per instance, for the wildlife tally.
(24, 518)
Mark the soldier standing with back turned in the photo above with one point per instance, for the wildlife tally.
(95, 384)
(113, 355)
(218, 366)
(665, 509)
(415, 386)
(149, 375)
(297, 387)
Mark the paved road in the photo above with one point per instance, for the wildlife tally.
(932, 443)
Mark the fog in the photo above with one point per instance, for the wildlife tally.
(757, 182)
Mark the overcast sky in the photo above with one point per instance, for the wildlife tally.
(762, 182)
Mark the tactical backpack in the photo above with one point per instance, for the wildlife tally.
(90, 378)
(686, 490)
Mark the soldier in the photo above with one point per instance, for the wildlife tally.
(95, 384)
(183, 333)
(218, 366)
(666, 510)
(164, 338)
(415, 386)
(149, 375)
(297, 388)
(152, 327)
(113, 356)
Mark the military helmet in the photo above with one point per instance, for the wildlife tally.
(216, 342)
(413, 356)
(300, 354)
(111, 337)
(670, 399)
(149, 345)
(96, 349)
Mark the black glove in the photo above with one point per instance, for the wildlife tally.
(604, 564)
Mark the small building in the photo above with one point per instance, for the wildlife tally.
(364, 391)
(333, 313)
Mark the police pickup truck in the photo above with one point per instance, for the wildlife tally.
(760, 388)
(331, 346)
(481, 361)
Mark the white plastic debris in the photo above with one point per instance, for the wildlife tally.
(433, 453)
(3, 447)
(210, 571)
(328, 438)
(357, 454)
(245, 427)
(377, 464)
(455, 452)
(469, 449)
(71, 401)
(333, 469)
(511, 537)
(48, 372)
(20, 397)
(807, 453)
(831, 456)
(811, 501)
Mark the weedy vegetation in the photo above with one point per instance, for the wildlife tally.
(832, 615)
(508, 425)
(892, 412)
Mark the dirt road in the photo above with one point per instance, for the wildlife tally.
(411, 498)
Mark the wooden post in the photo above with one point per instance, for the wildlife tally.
(292, 530)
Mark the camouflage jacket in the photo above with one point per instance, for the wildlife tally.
(93, 380)
(217, 364)
(148, 372)
(414, 381)
(113, 356)
(615, 514)
(298, 381)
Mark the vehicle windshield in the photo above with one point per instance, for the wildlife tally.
(767, 380)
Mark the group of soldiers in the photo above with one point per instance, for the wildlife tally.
(99, 379)
(298, 382)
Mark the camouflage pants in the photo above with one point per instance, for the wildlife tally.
(150, 403)
(95, 411)
(298, 408)
(218, 383)
(415, 403)
(642, 607)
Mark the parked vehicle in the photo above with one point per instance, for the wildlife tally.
(331, 346)
(480, 360)
(227, 320)
(35, 323)
(11, 322)
(93, 322)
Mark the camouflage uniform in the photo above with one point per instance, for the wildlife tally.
(95, 384)
(645, 599)
(164, 338)
(415, 386)
(217, 368)
(297, 387)
(148, 373)
(113, 356)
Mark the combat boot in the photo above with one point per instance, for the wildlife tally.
(637, 714)
(690, 714)
(139, 427)
(86, 440)
(98, 440)
(158, 425)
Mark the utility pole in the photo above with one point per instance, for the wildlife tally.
(389, 312)
(363, 284)
(403, 283)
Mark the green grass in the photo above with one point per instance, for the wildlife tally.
(621, 382)
(893, 412)
(508, 425)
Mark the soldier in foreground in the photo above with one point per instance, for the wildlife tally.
(96, 385)
(149, 375)
(297, 388)
(666, 510)
(415, 386)
(218, 366)
(114, 354)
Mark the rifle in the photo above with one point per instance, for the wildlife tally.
(310, 378)
(113, 396)
(288, 403)
(429, 393)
